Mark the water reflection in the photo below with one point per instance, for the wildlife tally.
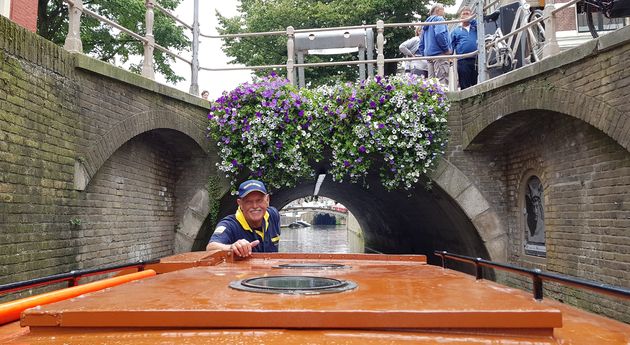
(315, 239)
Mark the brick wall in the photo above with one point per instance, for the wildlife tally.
(570, 127)
(586, 179)
(51, 115)
(24, 13)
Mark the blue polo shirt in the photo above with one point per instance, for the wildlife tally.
(234, 227)
(465, 41)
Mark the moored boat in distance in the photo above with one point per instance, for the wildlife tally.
(286, 298)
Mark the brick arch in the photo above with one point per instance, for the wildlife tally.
(594, 111)
(95, 156)
(478, 209)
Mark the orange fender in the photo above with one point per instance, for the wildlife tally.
(11, 311)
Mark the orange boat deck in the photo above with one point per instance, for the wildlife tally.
(398, 299)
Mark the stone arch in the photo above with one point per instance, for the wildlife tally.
(93, 158)
(594, 111)
(449, 180)
(480, 212)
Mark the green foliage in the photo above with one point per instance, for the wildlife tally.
(214, 195)
(395, 127)
(276, 15)
(103, 43)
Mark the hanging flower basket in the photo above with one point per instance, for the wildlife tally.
(277, 133)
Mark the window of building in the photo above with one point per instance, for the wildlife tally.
(600, 21)
(534, 218)
(5, 8)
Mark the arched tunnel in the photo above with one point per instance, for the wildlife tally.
(418, 221)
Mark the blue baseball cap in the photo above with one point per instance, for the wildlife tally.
(251, 186)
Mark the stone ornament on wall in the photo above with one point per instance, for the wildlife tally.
(534, 218)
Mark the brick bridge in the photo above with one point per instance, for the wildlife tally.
(100, 166)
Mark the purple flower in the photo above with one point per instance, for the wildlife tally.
(234, 162)
(346, 163)
(278, 144)
(301, 113)
(372, 104)
(362, 149)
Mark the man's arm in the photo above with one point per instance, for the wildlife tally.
(454, 39)
(218, 246)
(442, 37)
(241, 247)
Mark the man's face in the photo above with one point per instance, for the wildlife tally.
(254, 205)
(465, 14)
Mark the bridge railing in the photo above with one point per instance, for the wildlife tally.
(76, 9)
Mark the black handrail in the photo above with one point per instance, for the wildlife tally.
(72, 277)
(537, 276)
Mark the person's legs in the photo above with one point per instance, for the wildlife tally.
(440, 70)
(467, 73)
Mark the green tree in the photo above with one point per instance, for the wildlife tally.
(276, 15)
(100, 41)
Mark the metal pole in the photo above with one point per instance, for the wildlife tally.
(481, 45)
(453, 81)
(290, 53)
(537, 285)
(380, 43)
(369, 34)
(194, 67)
(300, 60)
(361, 67)
(551, 43)
(73, 39)
(147, 64)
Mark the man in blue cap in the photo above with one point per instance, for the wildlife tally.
(254, 228)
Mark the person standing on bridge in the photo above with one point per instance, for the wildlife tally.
(411, 48)
(464, 39)
(254, 228)
(436, 41)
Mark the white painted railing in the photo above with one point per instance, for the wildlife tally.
(76, 9)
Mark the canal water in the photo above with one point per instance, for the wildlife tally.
(315, 239)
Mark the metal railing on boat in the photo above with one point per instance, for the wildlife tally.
(71, 277)
(537, 276)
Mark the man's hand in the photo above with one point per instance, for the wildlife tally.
(243, 247)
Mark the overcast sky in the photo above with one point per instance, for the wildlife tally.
(210, 53)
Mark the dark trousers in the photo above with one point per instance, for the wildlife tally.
(467, 73)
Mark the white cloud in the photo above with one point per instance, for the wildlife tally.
(210, 53)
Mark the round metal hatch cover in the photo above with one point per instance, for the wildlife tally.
(313, 265)
(300, 285)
